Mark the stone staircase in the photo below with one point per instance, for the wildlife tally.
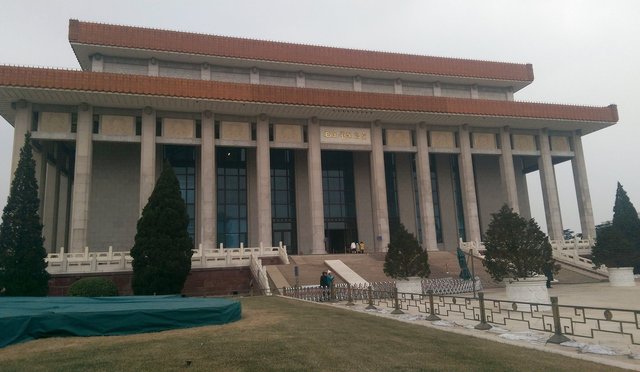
(370, 268)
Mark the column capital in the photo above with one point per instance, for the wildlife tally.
(84, 106)
(263, 117)
(207, 114)
(465, 127)
(153, 61)
(313, 119)
(205, 66)
(376, 123)
(422, 125)
(506, 128)
(148, 110)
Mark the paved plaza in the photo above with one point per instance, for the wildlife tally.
(609, 349)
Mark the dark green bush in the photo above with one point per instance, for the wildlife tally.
(93, 287)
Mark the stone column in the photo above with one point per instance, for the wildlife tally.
(507, 171)
(423, 170)
(97, 63)
(153, 69)
(397, 86)
(468, 187)
(549, 189)
(579, 166)
(208, 182)
(316, 204)
(205, 71)
(379, 190)
(21, 125)
(82, 179)
(263, 170)
(147, 155)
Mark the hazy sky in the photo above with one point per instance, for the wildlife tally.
(583, 52)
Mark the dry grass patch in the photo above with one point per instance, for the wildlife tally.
(281, 334)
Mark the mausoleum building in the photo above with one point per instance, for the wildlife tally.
(309, 145)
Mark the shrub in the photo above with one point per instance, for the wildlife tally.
(93, 287)
(405, 257)
(618, 244)
(516, 248)
(163, 248)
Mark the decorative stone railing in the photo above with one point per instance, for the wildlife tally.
(110, 261)
(567, 251)
(260, 274)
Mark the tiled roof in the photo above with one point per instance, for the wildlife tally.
(222, 46)
(43, 78)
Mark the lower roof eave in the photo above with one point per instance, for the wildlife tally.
(60, 97)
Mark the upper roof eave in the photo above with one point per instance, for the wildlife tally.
(154, 40)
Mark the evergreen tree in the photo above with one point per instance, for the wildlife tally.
(405, 257)
(23, 270)
(618, 244)
(515, 247)
(163, 248)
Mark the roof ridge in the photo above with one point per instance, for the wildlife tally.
(288, 43)
(152, 39)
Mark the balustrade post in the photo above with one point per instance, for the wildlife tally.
(483, 325)
(370, 293)
(432, 313)
(396, 309)
(64, 267)
(557, 337)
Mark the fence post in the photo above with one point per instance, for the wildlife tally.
(557, 337)
(483, 325)
(396, 310)
(332, 293)
(432, 314)
(370, 307)
(349, 296)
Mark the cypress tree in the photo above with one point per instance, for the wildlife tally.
(618, 244)
(516, 247)
(23, 270)
(163, 248)
(405, 257)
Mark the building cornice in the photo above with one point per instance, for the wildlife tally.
(70, 80)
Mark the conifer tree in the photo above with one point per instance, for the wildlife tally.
(23, 270)
(163, 248)
(516, 247)
(618, 244)
(405, 257)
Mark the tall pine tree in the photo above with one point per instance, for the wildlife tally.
(23, 270)
(405, 257)
(163, 248)
(618, 244)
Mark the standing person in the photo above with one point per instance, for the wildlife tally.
(329, 283)
(361, 247)
(323, 284)
(354, 247)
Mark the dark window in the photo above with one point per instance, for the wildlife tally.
(216, 129)
(392, 188)
(339, 200)
(457, 196)
(138, 125)
(198, 128)
(182, 159)
(74, 122)
(96, 124)
(283, 199)
(35, 116)
(158, 127)
(231, 196)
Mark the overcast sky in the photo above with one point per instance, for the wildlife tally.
(583, 52)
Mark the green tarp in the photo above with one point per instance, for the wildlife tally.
(28, 318)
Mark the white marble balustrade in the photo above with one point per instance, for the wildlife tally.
(110, 261)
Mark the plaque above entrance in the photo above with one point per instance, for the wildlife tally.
(345, 135)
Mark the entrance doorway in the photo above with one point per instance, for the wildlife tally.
(340, 235)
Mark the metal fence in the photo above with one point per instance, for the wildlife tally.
(581, 321)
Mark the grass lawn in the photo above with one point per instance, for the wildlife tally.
(282, 334)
